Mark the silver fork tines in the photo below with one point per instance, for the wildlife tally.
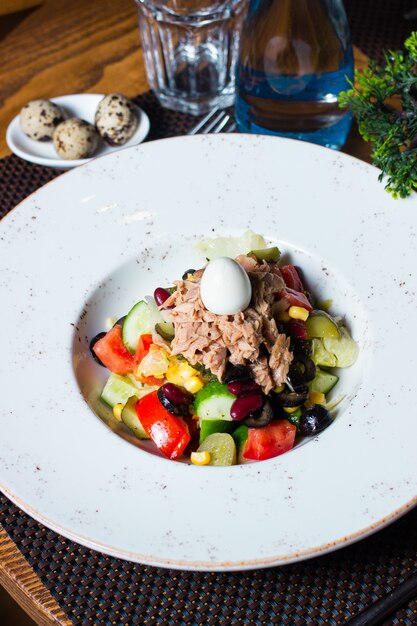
(214, 122)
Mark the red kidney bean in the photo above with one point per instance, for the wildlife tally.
(176, 395)
(160, 295)
(245, 405)
(241, 387)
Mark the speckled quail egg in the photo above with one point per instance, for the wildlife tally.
(116, 119)
(225, 288)
(75, 139)
(39, 118)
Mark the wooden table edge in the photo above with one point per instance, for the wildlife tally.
(26, 588)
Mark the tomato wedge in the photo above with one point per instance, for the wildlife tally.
(144, 343)
(168, 432)
(293, 294)
(113, 353)
(269, 441)
(291, 277)
(293, 298)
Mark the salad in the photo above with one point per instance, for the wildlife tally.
(232, 363)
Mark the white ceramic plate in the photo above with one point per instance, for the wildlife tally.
(84, 106)
(96, 240)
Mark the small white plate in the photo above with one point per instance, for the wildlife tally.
(82, 105)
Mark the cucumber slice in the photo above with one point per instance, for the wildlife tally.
(117, 390)
(240, 435)
(321, 324)
(320, 356)
(335, 352)
(323, 382)
(213, 402)
(325, 305)
(344, 348)
(130, 418)
(165, 330)
(140, 320)
(222, 449)
(209, 427)
(267, 254)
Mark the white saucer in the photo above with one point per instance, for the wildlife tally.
(82, 105)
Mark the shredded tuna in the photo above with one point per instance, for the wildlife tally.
(262, 374)
(247, 262)
(280, 359)
(159, 341)
(211, 340)
(270, 332)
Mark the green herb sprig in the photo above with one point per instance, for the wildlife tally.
(384, 102)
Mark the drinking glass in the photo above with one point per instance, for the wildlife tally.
(190, 49)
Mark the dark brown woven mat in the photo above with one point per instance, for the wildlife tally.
(380, 24)
(95, 589)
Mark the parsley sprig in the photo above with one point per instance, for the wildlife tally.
(384, 102)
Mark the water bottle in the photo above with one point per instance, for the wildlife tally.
(295, 58)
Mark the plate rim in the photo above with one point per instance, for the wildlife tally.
(209, 566)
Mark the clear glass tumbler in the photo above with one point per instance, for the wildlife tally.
(190, 49)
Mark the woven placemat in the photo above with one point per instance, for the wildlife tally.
(92, 588)
(95, 589)
(380, 24)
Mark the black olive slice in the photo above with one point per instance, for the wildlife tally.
(169, 406)
(303, 346)
(236, 372)
(308, 367)
(260, 418)
(292, 398)
(295, 378)
(314, 420)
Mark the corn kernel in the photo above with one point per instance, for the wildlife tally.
(316, 397)
(284, 316)
(200, 458)
(173, 375)
(290, 409)
(298, 313)
(193, 384)
(186, 371)
(117, 411)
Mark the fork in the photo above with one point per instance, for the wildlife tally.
(214, 122)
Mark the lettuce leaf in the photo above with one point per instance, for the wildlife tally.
(230, 246)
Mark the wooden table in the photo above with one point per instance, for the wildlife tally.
(51, 48)
(63, 47)
(58, 47)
